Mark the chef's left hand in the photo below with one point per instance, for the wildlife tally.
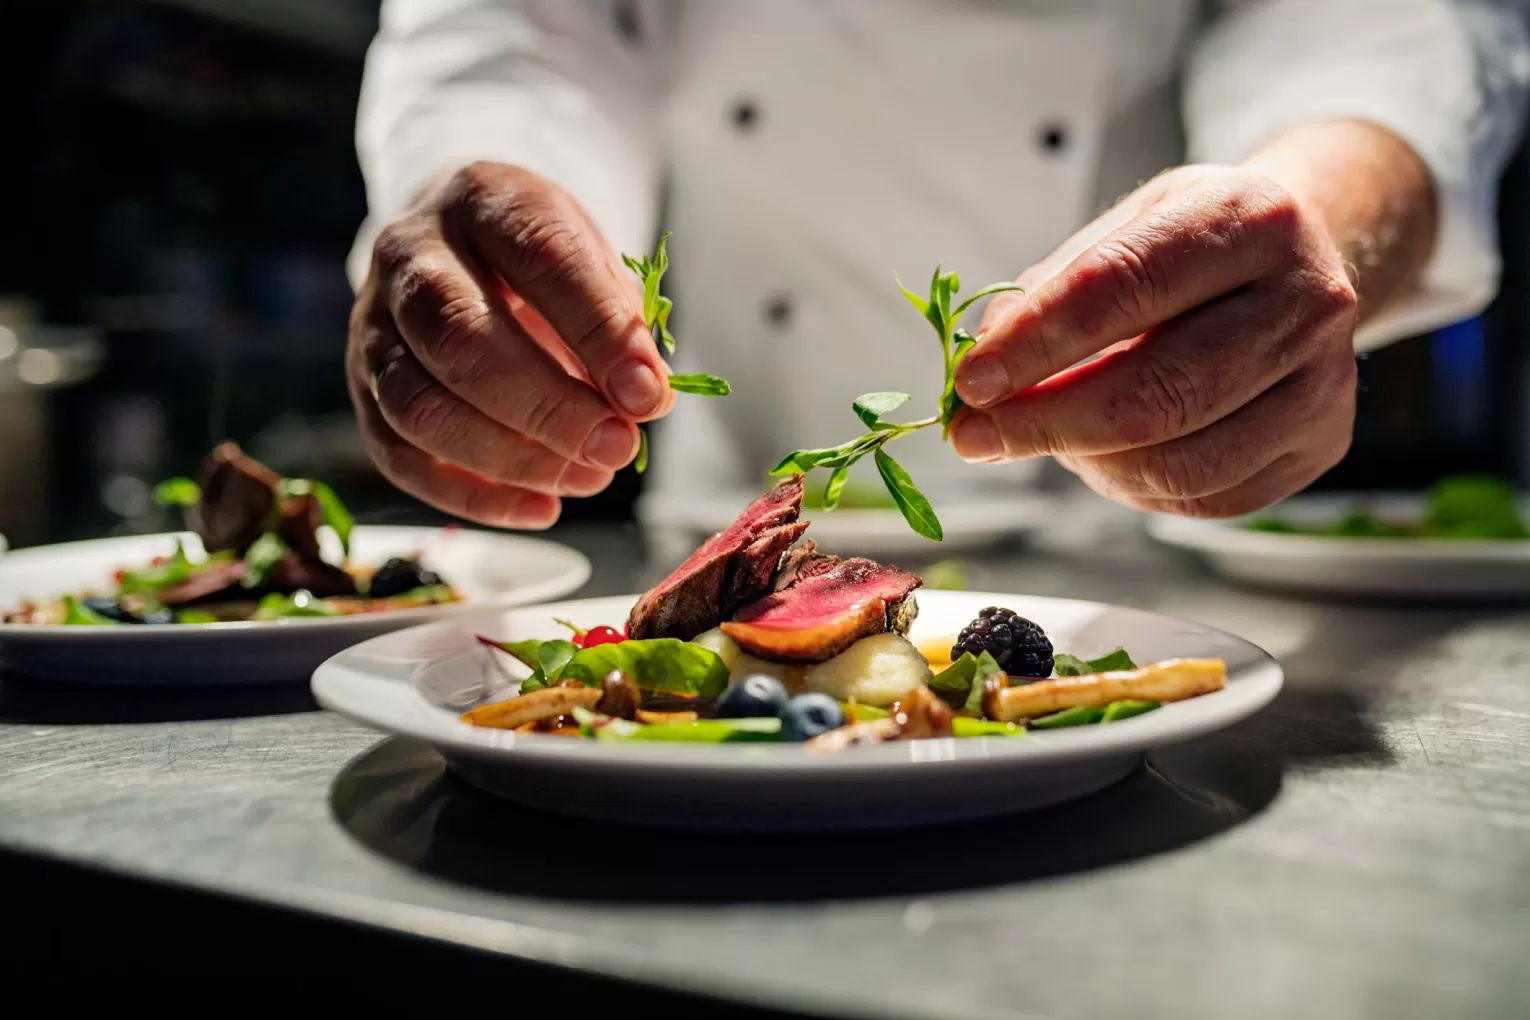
(1225, 320)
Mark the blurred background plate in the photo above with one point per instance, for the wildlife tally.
(1426, 569)
(492, 570)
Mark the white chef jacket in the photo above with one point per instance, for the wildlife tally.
(803, 151)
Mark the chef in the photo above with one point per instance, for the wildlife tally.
(1190, 349)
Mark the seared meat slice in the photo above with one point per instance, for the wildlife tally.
(238, 495)
(213, 584)
(295, 573)
(803, 562)
(821, 615)
(730, 569)
(298, 522)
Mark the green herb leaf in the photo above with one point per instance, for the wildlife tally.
(915, 507)
(640, 462)
(863, 713)
(1126, 709)
(661, 664)
(577, 630)
(195, 616)
(656, 307)
(301, 603)
(962, 342)
(700, 384)
(177, 492)
(525, 652)
(266, 552)
(870, 407)
(800, 462)
(962, 726)
(836, 486)
(154, 578)
(1068, 717)
(992, 288)
(919, 303)
(78, 614)
(1072, 665)
(1473, 506)
(661, 320)
(552, 656)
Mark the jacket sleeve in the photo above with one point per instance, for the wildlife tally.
(568, 89)
(1447, 76)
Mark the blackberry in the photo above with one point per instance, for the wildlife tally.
(398, 575)
(1020, 647)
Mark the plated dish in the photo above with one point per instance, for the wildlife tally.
(261, 557)
(845, 694)
(1480, 508)
(1348, 545)
(756, 638)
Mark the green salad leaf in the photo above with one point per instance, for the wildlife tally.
(701, 384)
(1072, 665)
(963, 726)
(154, 578)
(658, 664)
(1068, 717)
(870, 408)
(961, 683)
(1473, 506)
(300, 603)
(1126, 709)
(194, 616)
(264, 553)
(177, 492)
(78, 614)
(331, 509)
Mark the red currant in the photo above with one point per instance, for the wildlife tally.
(602, 636)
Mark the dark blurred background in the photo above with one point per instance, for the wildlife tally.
(183, 190)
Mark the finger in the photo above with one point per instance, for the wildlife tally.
(430, 417)
(1173, 381)
(466, 339)
(1286, 476)
(1181, 253)
(443, 486)
(536, 238)
(1301, 410)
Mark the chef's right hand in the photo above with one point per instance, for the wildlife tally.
(497, 355)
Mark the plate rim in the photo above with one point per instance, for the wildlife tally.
(1262, 680)
(580, 571)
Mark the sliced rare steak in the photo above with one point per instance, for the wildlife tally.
(297, 523)
(293, 573)
(803, 562)
(732, 568)
(238, 494)
(212, 584)
(820, 615)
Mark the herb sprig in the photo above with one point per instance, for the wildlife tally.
(955, 342)
(656, 309)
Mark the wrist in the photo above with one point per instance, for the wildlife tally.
(1370, 191)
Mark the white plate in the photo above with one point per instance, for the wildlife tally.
(416, 683)
(880, 533)
(492, 570)
(1414, 568)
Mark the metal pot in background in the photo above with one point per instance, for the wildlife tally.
(34, 360)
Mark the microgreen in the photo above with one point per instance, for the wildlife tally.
(942, 315)
(177, 492)
(656, 309)
(331, 509)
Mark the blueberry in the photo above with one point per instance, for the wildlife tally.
(808, 715)
(757, 696)
(110, 608)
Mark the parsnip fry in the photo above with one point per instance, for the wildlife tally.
(547, 703)
(1174, 680)
(662, 718)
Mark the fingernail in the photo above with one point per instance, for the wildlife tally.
(610, 445)
(982, 381)
(635, 387)
(976, 438)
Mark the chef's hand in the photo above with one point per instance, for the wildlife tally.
(1224, 314)
(497, 355)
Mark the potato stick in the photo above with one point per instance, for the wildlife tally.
(525, 708)
(1174, 680)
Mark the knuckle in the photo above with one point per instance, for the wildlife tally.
(1172, 473)
(431, 414)
(459, 349)
(1126, 269)
(394, 247)
(1166, 399)
(545, 246)
(1333, 299)
(474, 182)
(550, 418)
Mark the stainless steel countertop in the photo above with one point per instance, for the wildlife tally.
(1359, 849)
